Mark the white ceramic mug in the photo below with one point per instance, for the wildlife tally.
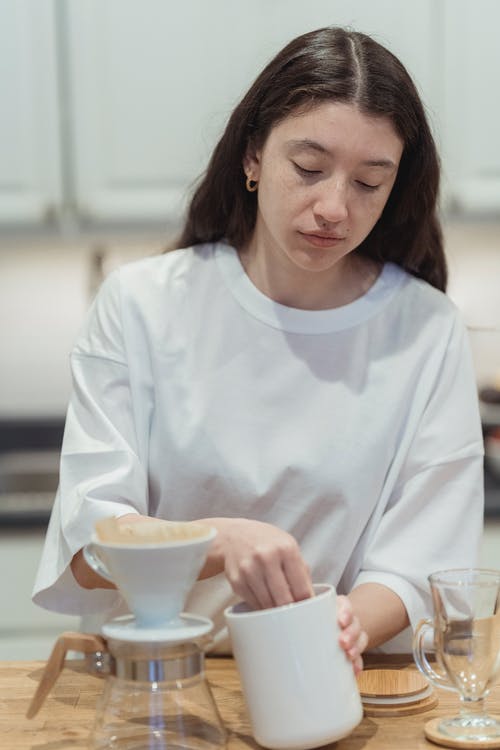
(299, 685)
(154, 578)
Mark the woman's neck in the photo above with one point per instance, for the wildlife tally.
(350, 278)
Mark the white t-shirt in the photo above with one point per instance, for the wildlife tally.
(355, 429)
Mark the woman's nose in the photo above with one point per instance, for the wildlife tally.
(331, 204)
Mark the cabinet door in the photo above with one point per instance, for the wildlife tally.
(153, 84)
(29, 128)
(472, 104)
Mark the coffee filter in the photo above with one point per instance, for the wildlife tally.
(148, 531)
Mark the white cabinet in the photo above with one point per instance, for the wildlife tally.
(138, 116)
(471, 105)
(29, 126)
(151, 90)
(114, 107)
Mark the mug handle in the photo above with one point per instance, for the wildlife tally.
(419, 654)
(92, 558)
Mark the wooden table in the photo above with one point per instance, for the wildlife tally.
(67, 716)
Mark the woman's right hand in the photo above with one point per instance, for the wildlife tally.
(262, 563)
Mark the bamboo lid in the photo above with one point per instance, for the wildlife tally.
(391, 683)
(395, 692)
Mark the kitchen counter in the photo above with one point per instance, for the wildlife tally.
(67, 715)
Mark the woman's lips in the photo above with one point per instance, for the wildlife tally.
(322, 240)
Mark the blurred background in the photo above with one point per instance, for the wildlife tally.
(110, 109)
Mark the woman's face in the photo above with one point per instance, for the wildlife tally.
(324, 177)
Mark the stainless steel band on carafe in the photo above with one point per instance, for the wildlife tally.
(172, 663)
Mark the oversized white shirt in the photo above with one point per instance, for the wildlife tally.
(355, 429)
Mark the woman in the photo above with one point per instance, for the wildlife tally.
(296, 374)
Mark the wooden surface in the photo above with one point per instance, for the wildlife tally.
(67, 716)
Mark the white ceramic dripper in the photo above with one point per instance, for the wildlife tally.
(154, 578)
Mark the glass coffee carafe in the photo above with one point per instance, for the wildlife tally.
(155, 697)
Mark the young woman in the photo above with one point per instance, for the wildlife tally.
(294, 371)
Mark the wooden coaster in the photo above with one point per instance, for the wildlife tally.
(434, 735)
(395, 692)
(405, 709)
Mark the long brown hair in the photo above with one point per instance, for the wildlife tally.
(331, 64)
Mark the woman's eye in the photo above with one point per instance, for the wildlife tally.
(306, 172)
(367, 186)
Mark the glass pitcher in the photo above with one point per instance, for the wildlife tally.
(155, 696)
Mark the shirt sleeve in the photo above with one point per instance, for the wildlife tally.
(434, 517)
(101, 474)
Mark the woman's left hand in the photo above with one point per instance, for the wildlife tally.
(353, 638)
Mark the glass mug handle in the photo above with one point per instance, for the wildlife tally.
(95, 562)
(421, 660)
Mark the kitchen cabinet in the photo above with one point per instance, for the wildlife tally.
(471, 104)
(30, 185)
(152, 91)
(113, 111)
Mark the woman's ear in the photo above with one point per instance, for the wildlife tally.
(251, 163)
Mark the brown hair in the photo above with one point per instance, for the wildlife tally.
(331, 64)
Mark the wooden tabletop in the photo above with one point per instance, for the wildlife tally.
(67, 716)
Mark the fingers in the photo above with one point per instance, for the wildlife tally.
(278, 585)
(353, 638)
(253, 579)
(355, 650)
(296, 571)
(357, 665)
(270, 574)
(260, 580)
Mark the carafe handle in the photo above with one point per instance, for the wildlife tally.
(87, 643)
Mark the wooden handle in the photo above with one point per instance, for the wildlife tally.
(85, 642)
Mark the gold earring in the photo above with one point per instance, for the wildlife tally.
(251, 185)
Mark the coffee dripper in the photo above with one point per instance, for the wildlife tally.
(155, 694)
